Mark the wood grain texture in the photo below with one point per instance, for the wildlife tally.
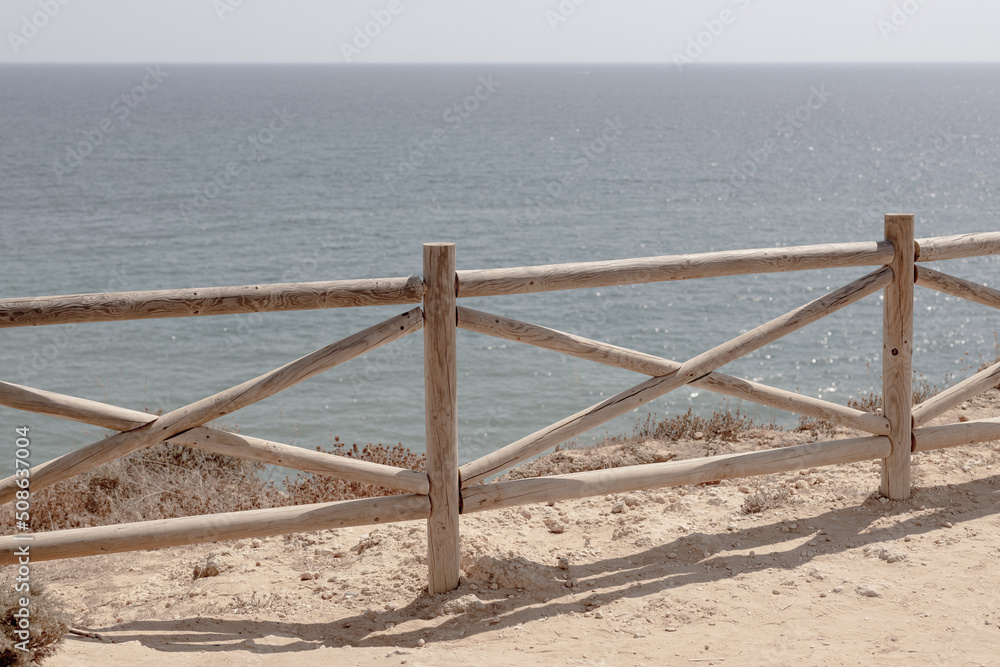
(897, 357)
(653, 388)
(647, 364)
(927, 438)
(673, 473)
(201, 301)
(958, 246)
(956, 395)
(161, 533)
(580, 275)
(215, 406)
(963, 289)
(212, 440)
(441, 415)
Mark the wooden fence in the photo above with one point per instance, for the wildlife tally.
(447, 490)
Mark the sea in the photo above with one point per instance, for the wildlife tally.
(154, 176)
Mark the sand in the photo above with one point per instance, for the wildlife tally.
(831, 574)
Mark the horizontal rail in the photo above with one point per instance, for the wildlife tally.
(161, 533)
(579, 275)
(959, 246)
(673, 473)
(628, 400)
(955, 435)
(278, 297)
(640, 362)
(963, 289)
(215, 406)
(956, 395)
(213, 440)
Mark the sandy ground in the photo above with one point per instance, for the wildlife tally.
(831, 575)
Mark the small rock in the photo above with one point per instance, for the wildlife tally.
(525, 514)
(698, 435)
(598, 614)
(555, 526)
(255, 544)
(837, 589)
(420, 642)
(947, 524)
(671, 629)
(564, 563)
(631, 500)
(776, 591)
(618, 507)
(308, 576)
(869, 591)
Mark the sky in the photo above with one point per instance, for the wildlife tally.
(498, 31)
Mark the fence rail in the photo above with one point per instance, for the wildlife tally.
(446, 489)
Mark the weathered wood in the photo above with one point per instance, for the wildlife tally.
(162, 533)
(964, 289)
(653, 388)
(212, 440)
(673, 473)
(956, 395)
(201, 301)
(441, 410)
(897, 357)
(927, 438)
(213, 407)
(647, 364)
(579, 275)
(956, 247)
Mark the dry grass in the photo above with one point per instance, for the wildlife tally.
(726, 426)
(167, 481)
(319, 489)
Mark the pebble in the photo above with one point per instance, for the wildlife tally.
(421, 642)
(598, 614)
(555, 526)
(776, 591)
(869, 591)
(564, 563)
(618, 507)
(308, 576)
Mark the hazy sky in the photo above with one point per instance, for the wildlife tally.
(498, 30)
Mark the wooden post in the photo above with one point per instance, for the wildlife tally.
(897, 357)
(441, 402)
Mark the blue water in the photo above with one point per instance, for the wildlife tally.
(343, 172)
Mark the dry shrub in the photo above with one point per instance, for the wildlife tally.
(727, 426)
(765, 499)
(49, 621)
(306, 488)
(162, 481)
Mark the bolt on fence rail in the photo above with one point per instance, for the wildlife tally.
(447, 490)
